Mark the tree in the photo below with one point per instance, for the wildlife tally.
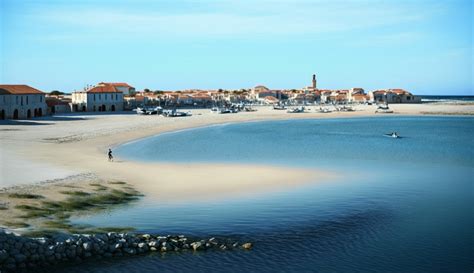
(56, 93)
(146, 90)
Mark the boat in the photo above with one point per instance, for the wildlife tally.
(346, 108)
(223, 110)
(324, 110)
(249, 109)
(279, 107)
(296, 110)
(149, 110)
(174, 113)
(384, 109)
(392, 135)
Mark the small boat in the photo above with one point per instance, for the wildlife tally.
(324, 110)
(174, 113)
(384, 109)
(296, 110)
(392, 135)
(149, 110)
(279, 107)
(345, 108)
(249, 109)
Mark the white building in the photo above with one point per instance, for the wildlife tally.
(103, 97)
(21, 102)
(393, 96)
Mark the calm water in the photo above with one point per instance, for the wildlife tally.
(403, 205)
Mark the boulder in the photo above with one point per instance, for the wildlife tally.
(247, 246)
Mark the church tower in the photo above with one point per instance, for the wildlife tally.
(314, 81)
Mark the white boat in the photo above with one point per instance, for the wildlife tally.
(174, 113)
(149, 110)
(384, 109)
(392, 135)
(324, 110)
(296, 110)
(345, 108)
(279, 107)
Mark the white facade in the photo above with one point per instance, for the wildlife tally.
(100, 101)
(21, 106)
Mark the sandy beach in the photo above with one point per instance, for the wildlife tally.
(46, 155)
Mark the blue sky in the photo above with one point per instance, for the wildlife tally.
(423, 46)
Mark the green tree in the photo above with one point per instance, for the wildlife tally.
(56, 93)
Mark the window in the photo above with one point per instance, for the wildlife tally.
(16, 99)
(21, 100)
(26, 100)
(116, 97)
(94, 99)
(100, 97)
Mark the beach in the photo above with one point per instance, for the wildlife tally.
(70, 147)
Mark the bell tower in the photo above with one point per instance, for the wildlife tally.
(314, 81)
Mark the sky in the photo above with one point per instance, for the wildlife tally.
(423, 46)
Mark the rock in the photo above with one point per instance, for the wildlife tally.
(146, 236)
(3, 255)
(19, 258)
(247, 246)
(87, 246)
(130, 251)
(142, 247)
(196, 245)
(154, 243)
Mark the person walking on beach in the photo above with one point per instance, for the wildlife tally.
(111, 158)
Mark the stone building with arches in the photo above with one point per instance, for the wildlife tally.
(19, 101)
(101, 98)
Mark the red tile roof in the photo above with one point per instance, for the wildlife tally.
(117, 84)
(103, 89)
(18, 89)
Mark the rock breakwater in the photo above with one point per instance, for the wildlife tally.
(19, 253)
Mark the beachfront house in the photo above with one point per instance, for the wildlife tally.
(100, 98)
(393, 96)
(19, 101)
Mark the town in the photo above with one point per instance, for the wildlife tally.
(25, 102)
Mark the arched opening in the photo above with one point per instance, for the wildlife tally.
(53, 109)
(40, 112)
(2, 114)
(28, 113)
(35, 112)
(15, 114)
(112, 108)
(103, 108)
(83, 108)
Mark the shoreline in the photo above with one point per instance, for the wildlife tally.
(77, 144)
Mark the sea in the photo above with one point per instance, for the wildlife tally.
(396, 205)
(447, 99)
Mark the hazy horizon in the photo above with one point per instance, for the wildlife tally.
(424, 46)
